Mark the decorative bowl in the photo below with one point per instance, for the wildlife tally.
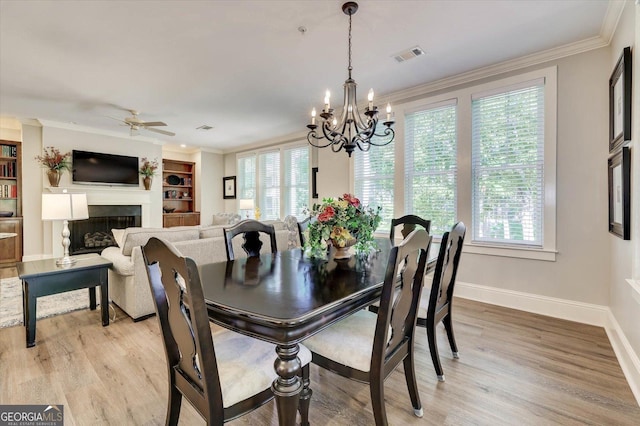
(6, 214)
(173, 180)
(168, 209)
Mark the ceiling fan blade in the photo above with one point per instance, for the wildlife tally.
(118, 119)
(152, 123)
(164, 132)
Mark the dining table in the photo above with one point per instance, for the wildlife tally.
(285, 297)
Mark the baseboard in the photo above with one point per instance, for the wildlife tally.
(627, 358)
(585, 313)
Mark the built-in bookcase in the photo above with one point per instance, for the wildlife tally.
(178, 193)
(10, 202)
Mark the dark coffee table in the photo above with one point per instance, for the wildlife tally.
(44, 277)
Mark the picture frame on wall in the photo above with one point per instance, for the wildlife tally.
(620, 193)
(620, 101)
(229, 187)
(314, 182)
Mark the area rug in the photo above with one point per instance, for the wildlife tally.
(46, 306)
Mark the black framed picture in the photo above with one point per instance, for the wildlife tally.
(620, 193)
(229, 187)
(620, 101)
(314, 182)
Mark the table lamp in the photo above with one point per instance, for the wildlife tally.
(246, 204)
(65, 207)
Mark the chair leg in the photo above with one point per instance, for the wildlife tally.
(412, 385)
(448, 325)
(173, 408)
(376, 387)
(305, 397)
(433, 348)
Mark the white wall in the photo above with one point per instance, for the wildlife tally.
(625, 255)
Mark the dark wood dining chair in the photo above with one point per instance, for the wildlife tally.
(409, 223)
(302, 226)
(221, 383)
(438, 305)
(251, 230)
(367, 346)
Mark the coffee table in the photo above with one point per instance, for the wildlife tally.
(44, 277)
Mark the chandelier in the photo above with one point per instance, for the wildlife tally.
(350, 130)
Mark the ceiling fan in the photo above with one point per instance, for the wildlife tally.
(135, 123)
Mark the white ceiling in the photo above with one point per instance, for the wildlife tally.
(243, 67)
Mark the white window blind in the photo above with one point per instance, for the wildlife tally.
(507, 166)
(269, 185)
(246, 177)
(373, 180)
(296, 181)
(431, 166)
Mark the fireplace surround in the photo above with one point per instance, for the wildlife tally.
(94, 234)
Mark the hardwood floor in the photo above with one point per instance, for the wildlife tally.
(514, 368)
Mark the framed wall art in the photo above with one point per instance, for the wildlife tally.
(620, 101)
(314, 182)
(620, 193)
(229, 187)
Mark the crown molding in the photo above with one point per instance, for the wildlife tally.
(582, 46)
(93, 130)
(611, 19)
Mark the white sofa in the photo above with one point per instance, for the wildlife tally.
(128, 282)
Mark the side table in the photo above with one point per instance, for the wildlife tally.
(44, 277)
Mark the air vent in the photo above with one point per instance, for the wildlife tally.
(409, 54)
(204, 127)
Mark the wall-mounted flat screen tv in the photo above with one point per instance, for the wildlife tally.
(104, 169)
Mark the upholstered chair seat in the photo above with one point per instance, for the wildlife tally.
(245, 365)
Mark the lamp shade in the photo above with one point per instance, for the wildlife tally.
(246, 204)
(64, 206)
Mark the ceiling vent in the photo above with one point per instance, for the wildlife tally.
(204, 127)
(409, 54)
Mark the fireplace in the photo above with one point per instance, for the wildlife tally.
(94, 234)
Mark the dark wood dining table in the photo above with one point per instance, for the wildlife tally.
(286, 297)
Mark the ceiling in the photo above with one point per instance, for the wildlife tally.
(244, 68)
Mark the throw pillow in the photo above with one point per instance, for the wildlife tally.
(118, 235)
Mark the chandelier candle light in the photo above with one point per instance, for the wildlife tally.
(351, 130)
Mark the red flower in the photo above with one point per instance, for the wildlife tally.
(327, 214)
(351, 200)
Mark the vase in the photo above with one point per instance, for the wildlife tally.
(147, 182)
(343, 252)
(54, 177)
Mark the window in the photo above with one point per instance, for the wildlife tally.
(246, 180)
(269, 185)
(508, 165)
(373, 180)
(295, 195)
(277, 180)
(431, 165)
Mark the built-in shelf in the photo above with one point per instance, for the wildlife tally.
(181, 196)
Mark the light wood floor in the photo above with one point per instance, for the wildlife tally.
(515, 368)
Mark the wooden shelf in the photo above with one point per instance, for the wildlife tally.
(11, 248)
(187, 204)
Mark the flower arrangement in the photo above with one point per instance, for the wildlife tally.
(341, 221)
(148, 167)
(53, 159)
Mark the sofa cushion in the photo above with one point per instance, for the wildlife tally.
(212, 231)
(118, 236)
(139, 236)
(225, 218)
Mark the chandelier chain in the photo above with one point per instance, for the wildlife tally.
(350, 68)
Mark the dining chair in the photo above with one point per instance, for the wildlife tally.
(223, 376)
(409, 223)
(251, 230)
(438, 305)
(366, 346)
(302, 226)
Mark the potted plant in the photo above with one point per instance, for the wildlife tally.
(148, 170)
(342, 222)
(55, 162)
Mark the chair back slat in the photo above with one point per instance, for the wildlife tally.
(184, 322)
(251, 230)
(444, 277)
(409, 223)
(398, 313)
(302, 227)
